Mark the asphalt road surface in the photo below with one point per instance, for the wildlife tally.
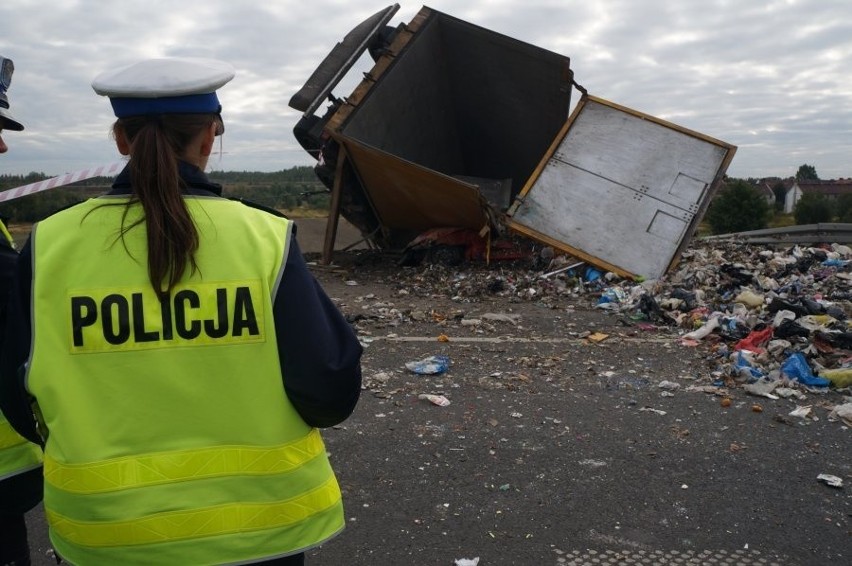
(559, 449)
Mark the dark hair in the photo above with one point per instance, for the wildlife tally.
(156, 144)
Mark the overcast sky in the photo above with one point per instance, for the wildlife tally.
(773, 77)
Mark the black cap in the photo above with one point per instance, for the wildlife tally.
(7, 121)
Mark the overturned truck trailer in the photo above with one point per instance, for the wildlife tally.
(459, 126)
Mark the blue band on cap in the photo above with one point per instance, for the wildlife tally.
(190, 104)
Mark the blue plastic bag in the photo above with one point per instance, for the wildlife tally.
(796, 367)
(429, 366)
(592, 274)
(745, 368)
(612, 295)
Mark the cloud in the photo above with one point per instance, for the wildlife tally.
(767, 76)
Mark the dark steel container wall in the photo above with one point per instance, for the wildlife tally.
(456, 99)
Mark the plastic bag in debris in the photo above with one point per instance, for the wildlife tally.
(789, 328)
(733, 328)
(796, 367)
(837, 339)
(791, 306)
(744, 368)
(651, 310)
(763, 387)
(778, 347)
(689, 299)
(830, 480)
(782, 316)
(749, 298)
(439, 400)
(591, 275)
(704, 331)
(842, 250)
(755, 340)
(840, 377)
(466, 561)
(842, 412)
(429, 366)
(612, 295)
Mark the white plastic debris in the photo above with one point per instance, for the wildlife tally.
(704, 331)
(439, 400)
(845, 251)
(467, 561)
(669, 385)
(801, 412)
(762, 388)
(842, 412)
(781, 316)
(501, 317)
(830, 480)
(787, 392)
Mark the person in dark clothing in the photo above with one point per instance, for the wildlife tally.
(180, 354)
(20, 461)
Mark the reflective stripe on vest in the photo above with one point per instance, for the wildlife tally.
(153, 469)
(171, 439)
(17, 454)
(205, 522)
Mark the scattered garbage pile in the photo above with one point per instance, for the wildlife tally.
(773, 322)
(772, 317)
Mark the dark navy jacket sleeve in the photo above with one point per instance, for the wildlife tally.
(14, 399)
(21, 492)
(320, 353)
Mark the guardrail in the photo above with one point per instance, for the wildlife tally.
(830, 232)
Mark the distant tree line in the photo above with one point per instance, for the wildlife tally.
(740, 206)
(286, 190)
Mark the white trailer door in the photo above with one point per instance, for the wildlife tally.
(621, 189)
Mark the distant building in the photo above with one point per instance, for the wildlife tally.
(765, 191)
(831, 190)
(766, 187)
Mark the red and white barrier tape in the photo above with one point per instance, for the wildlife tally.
(66, 179)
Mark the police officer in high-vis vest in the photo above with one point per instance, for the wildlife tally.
(20, 460)
(180, 353)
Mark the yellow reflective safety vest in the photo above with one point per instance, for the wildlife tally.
(171, 439)
(8, 236)
(17, 455)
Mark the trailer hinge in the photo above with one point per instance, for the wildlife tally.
(516, 204)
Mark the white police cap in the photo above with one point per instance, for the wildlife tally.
(184, 85)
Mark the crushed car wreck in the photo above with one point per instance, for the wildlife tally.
(458, 127)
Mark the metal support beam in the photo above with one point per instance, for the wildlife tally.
(334, 209)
